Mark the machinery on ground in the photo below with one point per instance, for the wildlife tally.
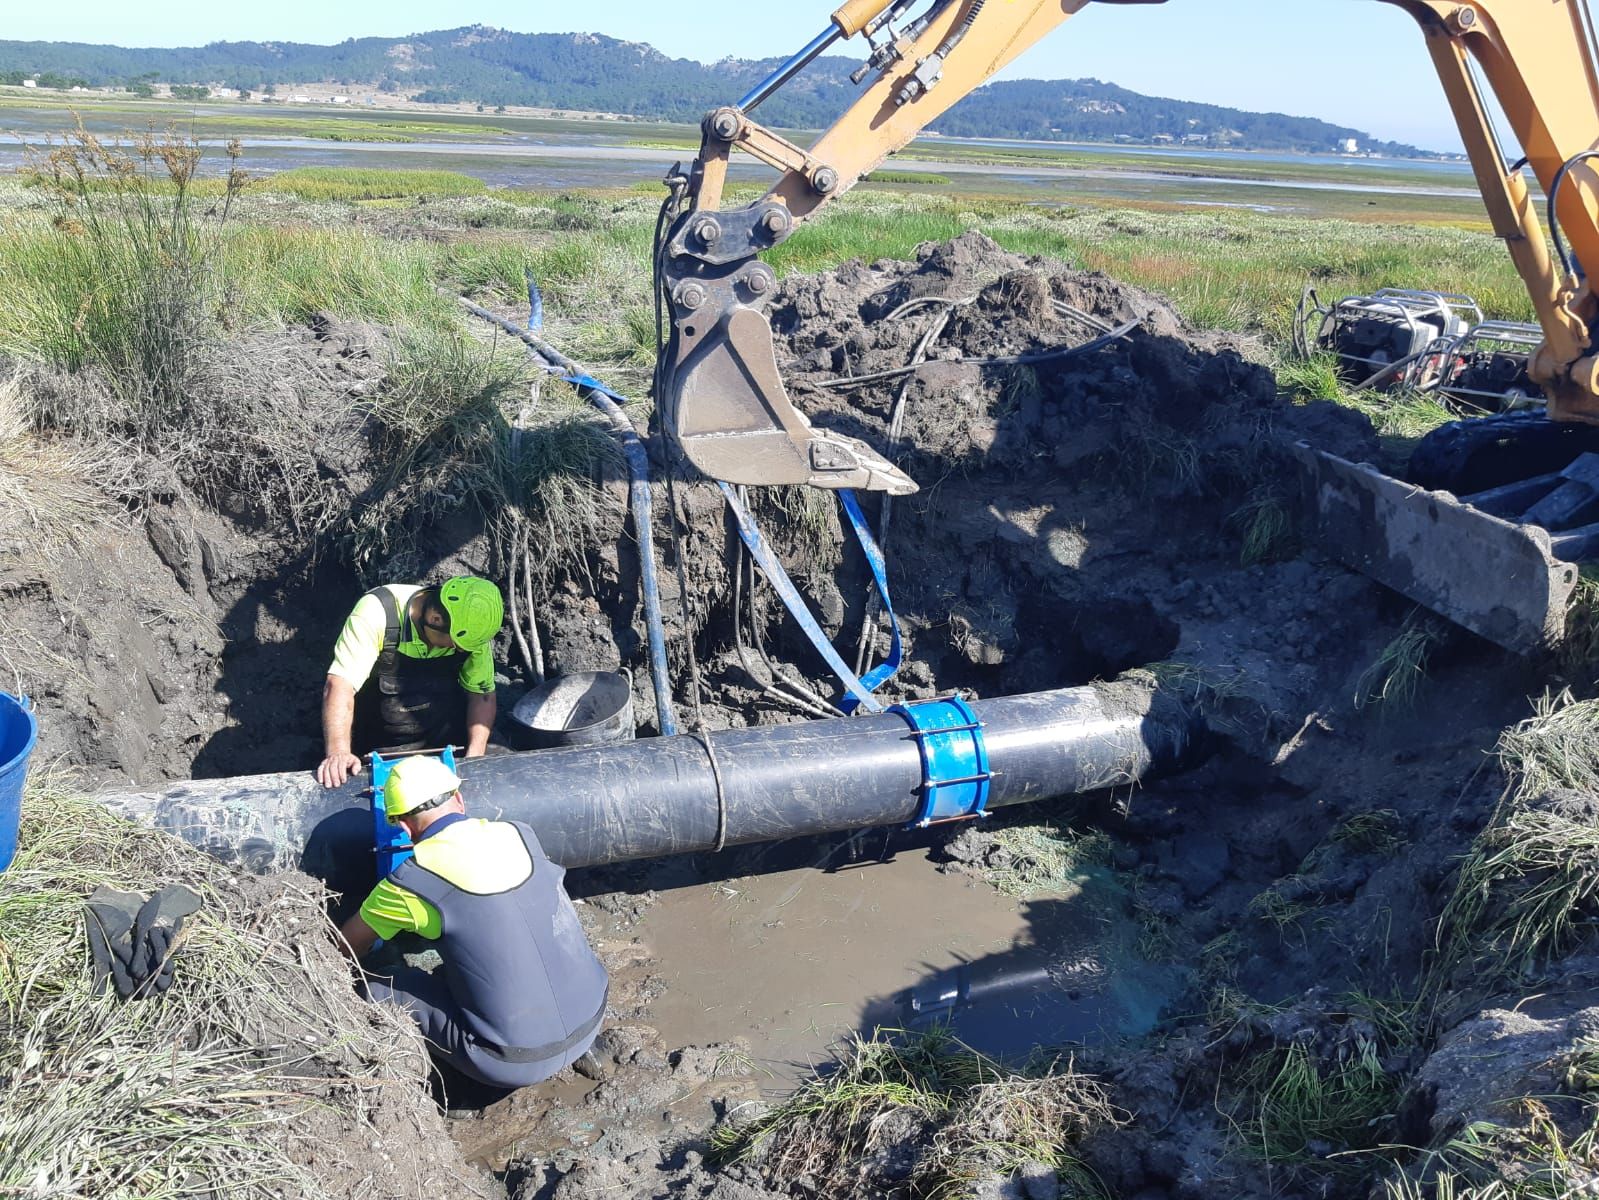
(722, 400)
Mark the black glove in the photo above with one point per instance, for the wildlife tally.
(130, 938)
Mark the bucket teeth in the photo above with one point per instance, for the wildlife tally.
(842, 462)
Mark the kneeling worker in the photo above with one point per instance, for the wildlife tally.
(520, 994)
(400, 668)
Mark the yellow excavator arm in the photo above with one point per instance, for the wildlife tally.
(721, 397)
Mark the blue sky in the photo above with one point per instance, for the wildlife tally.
(1357, 62)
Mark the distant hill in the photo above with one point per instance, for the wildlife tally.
(585, 71)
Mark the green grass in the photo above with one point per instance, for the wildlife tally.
(980, 1119)
(1264, 526)
(884, 175)
(1542, 1159)
(1528, 889)
(364, 183)
(445, 411)
(253, 123)
(1393, 680)
(1305, 1109)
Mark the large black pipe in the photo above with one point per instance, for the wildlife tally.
(603, 804)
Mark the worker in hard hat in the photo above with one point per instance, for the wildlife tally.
(520, 993)
(412, 670)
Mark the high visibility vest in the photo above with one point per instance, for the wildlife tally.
(518, 965)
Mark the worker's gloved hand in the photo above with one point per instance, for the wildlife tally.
(131, 938)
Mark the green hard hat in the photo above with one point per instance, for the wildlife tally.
(414, 783)
(475, 610)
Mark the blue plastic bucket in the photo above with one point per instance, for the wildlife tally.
(18, 732)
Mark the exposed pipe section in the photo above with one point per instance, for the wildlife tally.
(659, 796)
(638, 471)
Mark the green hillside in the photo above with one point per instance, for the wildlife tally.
(591, 72)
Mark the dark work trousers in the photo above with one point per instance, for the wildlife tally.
(426, 996)
(420, 706)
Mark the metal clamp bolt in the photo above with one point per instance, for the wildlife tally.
(1463, 18)
(759, 281)
(726, 124)
(688, 295)
(776, 221)
(707, 230)
(824, 180)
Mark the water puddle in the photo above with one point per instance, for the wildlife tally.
(796, 959)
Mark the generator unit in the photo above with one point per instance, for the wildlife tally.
(1485, 369)
(1392, 338)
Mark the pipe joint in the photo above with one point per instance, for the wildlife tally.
(954, 754)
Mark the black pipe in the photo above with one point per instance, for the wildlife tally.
(602, 804)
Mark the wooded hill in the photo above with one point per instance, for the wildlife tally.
(591, 72)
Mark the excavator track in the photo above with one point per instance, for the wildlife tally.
(1479, 453)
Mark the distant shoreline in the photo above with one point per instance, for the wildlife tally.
(365, 101)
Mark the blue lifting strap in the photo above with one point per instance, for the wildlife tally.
(593, 385)
(859, 691)
(390, 842)
(955, 773)
(885, 670)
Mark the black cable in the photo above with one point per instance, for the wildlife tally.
(1554, 195)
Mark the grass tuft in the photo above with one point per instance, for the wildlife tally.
(1394, 679)
(1264, 526)
(1528, 890)
(1305, 1110)
(983, 1120)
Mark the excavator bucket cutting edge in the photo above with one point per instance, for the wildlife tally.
(1496, 578)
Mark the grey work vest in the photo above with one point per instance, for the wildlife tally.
(527, 983)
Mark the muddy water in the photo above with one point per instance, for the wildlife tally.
(793, 960)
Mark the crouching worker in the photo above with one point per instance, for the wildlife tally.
(413, 669)
(520, 993)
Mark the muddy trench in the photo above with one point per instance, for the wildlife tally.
(1077, 520)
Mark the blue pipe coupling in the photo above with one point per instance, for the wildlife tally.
(955, 771)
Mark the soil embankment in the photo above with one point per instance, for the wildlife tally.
(1129, 508)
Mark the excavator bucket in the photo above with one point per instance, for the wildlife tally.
(1498, 578)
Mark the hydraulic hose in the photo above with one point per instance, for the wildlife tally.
(638, 470)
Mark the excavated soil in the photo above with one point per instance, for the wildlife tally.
(1078, 517)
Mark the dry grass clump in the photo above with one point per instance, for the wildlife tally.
(1025, 860)
(445, 411)
(219, 1087)
(1528, 890)
(51, 489)
(962, 1116)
